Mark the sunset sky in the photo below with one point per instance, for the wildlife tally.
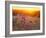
(33, 11)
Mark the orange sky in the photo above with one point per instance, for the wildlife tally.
(27, 11)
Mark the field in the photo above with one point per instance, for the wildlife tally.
(26, 19)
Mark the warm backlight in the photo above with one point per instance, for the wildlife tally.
(33, 11)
